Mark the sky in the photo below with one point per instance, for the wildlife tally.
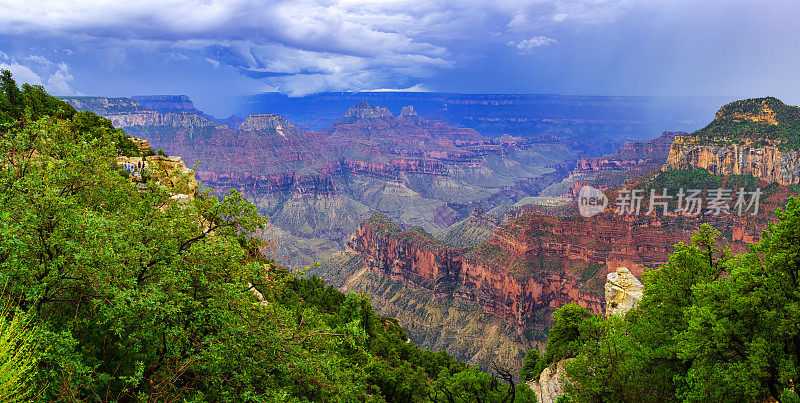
(218, 51)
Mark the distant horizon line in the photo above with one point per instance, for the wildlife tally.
(420, 93)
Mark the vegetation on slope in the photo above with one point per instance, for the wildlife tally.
(132, 296)
(711, 327)
(756, 119)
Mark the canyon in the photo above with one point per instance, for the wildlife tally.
(317, 186)
(470, 241)
(526, 261)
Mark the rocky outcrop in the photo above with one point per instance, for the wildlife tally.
(745, 157)
(551, 382)
(623, 292)
(364, 112)
(757, 137)
(167, 171)
(408, 111)
(142, 145)
(418, 260)
(269, 123)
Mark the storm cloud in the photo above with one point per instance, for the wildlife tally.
(214, 50)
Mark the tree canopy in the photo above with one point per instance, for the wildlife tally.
(130, 295)
(711, 327)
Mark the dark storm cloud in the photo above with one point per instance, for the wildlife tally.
(673, 47)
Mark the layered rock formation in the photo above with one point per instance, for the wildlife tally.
(126, 112)
(417, 259)
(436, 322)
(613, 170)
(767, 162)
(269, 123)
(630, 155)
(757, 137)
(322, 184)
(181, 103)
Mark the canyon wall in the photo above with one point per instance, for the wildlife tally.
(322, 184)
(758, 137)
(767, 162)
(418, 260)
(631, 154)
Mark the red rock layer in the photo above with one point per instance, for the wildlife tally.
(419, 261)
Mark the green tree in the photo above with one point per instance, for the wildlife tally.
(532, 366)
(573, 326)
(743, 338)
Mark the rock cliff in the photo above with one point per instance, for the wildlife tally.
(126, 112)
(181, 103)
(364, 112)
(757, 137)
(270, 124)
(167, 171)
(417, 259)
(766, 162)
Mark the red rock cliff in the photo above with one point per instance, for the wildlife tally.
(415, 258)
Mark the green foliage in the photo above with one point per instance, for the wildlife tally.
(19, 354)
(710, 327)
(750, 183)
(532, 366)
(140, 298)
(607, 370)
(744, 328)
(20, 107)
(573, 326)
(689, 179)
(731, 125)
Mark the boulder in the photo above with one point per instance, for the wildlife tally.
(623, 292)
(551, 382)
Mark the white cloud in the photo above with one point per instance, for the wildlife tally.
(58, 82)
(414, 88)
(22, 74)
(213, 62)
(38, 70)
(331, 44)
(526, 45)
